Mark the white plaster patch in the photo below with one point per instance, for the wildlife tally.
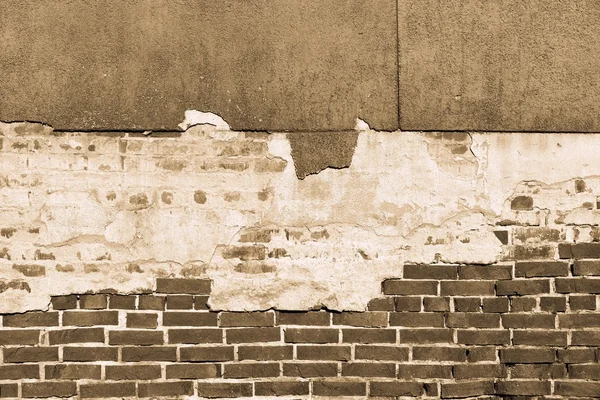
(195, 117)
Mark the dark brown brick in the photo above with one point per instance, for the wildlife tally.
(311, 335)
(481, 353)
(49, 389)
(29, 319)
(201, 303)
(120, 302)
(64, 302)
(479, 371)
(251, 370)
(142, 320)
(323, 352)
(553, 304)
(30, 354)
(251, 335)
(316, 318)
(165, 389)
(265, 353)
(406, 371)
(579, 320)
(369, 319)
(467, 304)
(148, 302)
(576, 355)
(180, 302)
(435, 320)
(382, 370)
(107, 390)
(523, 388)
(73, 371)
(9, 390)
(485, 272)
(436, 304)
(383, 353)
(579, 389)
(578, 303)
(540, 338)
(408, 303)
(18, 372)
(90, 318)
(483, 337)
(523, 287)
(467, 288)
(586, 268)
(467, 389)
(395, 389)
(19, 337)
(132, 372)
(247, 319)
(381, 304)
(193, 371)
(142, 338)
(456, 354)
(538, 371)
(310, 370)
(93, 301)
(579, 250)
(152, 353)
(578, 285)
(521, 304)
(585, 338)
(527, 355)
(369, 335)
(224, 389)
(426, 336)
(403, 287)
(281, 388)
(432, 389)
(183, 286)
(436, 272)
(541, 321)
(83, 354)
(209, 353)
(191, 318)
(472, 320)
(495, 304)
(529, 252)
(196, 336)
(541, 268)
(339, 388)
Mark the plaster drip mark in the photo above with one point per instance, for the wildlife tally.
(195, 117)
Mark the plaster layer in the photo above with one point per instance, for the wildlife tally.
(90, 211)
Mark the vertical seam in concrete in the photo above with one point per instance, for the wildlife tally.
(399, 110)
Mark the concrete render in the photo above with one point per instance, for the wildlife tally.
(276, 241)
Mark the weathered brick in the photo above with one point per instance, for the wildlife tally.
(251, 370)
(310, 318)
(310, 370)
(585, 338)
(523, 388)
(64, 302)
(132, 372)
(485, 272)
(426, 336)
(142, 320)
(472, 320)
(18, 372)
(323, 352)
(528, 321)
(404, 287)
(577, 389)
(467, 288)
(436, 304)
(148, 302)
(19, 337)
(250, 335)
(191, 318)
(395, 389)
(383, 353)
(538, 371)
(380, 304)
(49, 389)
(163, 389)
(467, 389)
(224, 389)
(578, 285)
(90, 318)
(521, 304)
(527, 355)
(73, 371)
(247, 319)
(481, 353)
(467, 304)
(523, 287)
(530, 252)
(414, 371)
(586, 268)
(82, 354)
(311, 335)
(436, 272)
(369, 335)
(411, 319)
(408, 303)
(281, 388)
(483, 337)
(196, 336)
(30, 354)
(9, 390)
(540, 338)
(265, 353)
(578, 303)
(457, 354)
(541, 268)
(193, 371)
(370, 319)
(149, 353)
(495, 304)
(553, 304)
(180, 302)
(107, 390)
(339, 388)
(183, 286)
(576, 355)
(30, 319)
(579, 250)
(132, 337)
(93, 301)
(479, 371)
(201, 303)
(579, 320)
(383, 370)
(211, 353)
(120, 302)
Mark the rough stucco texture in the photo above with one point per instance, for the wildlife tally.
(260, 64)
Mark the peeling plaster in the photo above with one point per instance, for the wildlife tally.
(195, 117)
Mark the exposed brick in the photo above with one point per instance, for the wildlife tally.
(439, 304)
(436, 272)
(521, 304)
(579, 250)
(90, 318)
(9, 390)
(265, 353)
(485, 272)
(479, 371)
(383, 370)
(528, 321)
(135, 337)
(191, 318)
(311, 318)
(578, 285)
(472, 320)
(538, 371)
(90, 354)
(540, 338)
(529, 252)
(18, 372)
(481, 353)
(19, 337)
(467, 288)
(576, 355)
(323, 352)
(93, 301)
(395, 389)
(201, 303)
(586, 268)
(369, 335)
(579, 389)
(250, 335)
(151, 353)
(49, 389)
(311, 335)
(224, 389)
(251, 370)
(107, 390)
(426, 336)
(414, 371)
(579, 320)
(408, 303)
(310, 370)
(148, 302)
(72, 371)
(467, 389)
(578, 303)
(527, 355)
(30, 354)
(523, 287)
(553, 304)
(163, 389)
(370, 319)
(120, 302)
(483, 337)
(495, 304)
(183, 286)
(435, 320)
(432, 389)
(383, 353)
(467, 304)
(339, 388)
(210, 353)
(411, 288)
(457, 354)
(585, 338)
(247, 319)
(180, 302)
(142, 320)
(541, 268)
(132, 372)
(196, 336)
(30, 319)
(523, 388)
(282, 388)
(64, 302)
(193, 371)
(380, 304)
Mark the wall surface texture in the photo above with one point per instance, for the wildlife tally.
(318, 199)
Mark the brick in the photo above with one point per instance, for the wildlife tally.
(432, 389)
(247, 319)
(436, 272)
(210, 353)
(382, 370)
(120, 302)
(467, 389)
(426, 336)
(132, 372)
(9, 390)
(180, 302)
(523, 388)
(572, 389)
(90, 318)
(151, 353)
(521, 304)
(586, 268)
(265, 353)
(323, 352)
(411, 288)
(18, 372)
(589, 372)
(580, 250)
(142, 338)
(201, 303)
(576, 355)
(479, 371)
(472, 320)
(578, 285)
(19, 337)
(456, 354)
(467, 304)
(408, 303)
(310, 370)
(578, 303)
(406, 371)
(395, 389)
(529, 252)
(30, 354)
(148, 302)
(540, 338)
(64, 302)
(523, 287)
(439, 304)
(311, 318)
(30, 319)
(381, 304)
(224, 389)
(435, 320)
(93, 301)
(538, 371)
(192, 318)
(281, 388)
(483, 337)
(193, 371)
(481, 353)
(196, 336)
(553, 304)
(485, 272)
(164, 389)
(339, 388)
(495, 304)
(585, 338)
(83, 354)
(107, 390)
(49, 389)
(541, 268)
(251, 370)
(250, 335)
(72, 371)
(369, 319)
(183, 286)
(369, 335)
(142, 320)
(467, 288)
(311, 335)
(579, 320)
(527, 355)
(383, 353)
(540, 321)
